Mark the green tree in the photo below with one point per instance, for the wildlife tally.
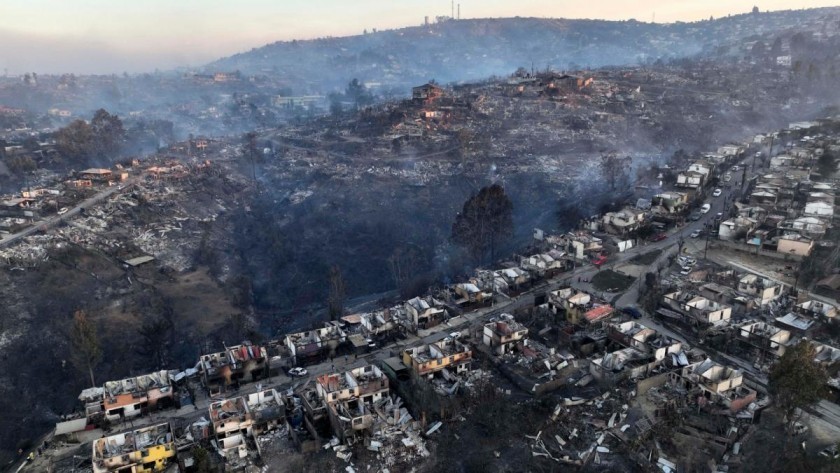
(337, 294)
(75, 142)
(795, 381)
(202, 459)
(87, 352)
(108, 134)
(485, 221)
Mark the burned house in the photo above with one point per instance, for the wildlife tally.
(447, 354)
(246, 362)
(314, 345)
(145, 450)
(623, 222)
(697, 309)
(350, 398)
(762, 289)
(545, 265)
(232, 423)
(583, 244)
(469, 293)
(570, 302)
(669, 202)
(711, 383)
(765, 342)
(425, 312)
(514, 279)
(503, 334)
(642, 351)
(132, 397)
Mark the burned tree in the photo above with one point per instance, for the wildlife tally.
(404, 264)
(485, 222)
(614, 168)
(335, 300)
(86, 349)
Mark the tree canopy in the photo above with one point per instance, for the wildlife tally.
(796, 381)
(101, 139)
(485, 221)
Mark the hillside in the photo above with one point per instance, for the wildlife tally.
(462, 50)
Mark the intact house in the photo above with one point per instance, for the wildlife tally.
(96, 174)
(241, 362)
(762, 289)
(314, 345)
(132, 397)
(425, 312)
(145, 450)
(503, 334)
(426, 92)
(698, 309)
(711, 382)
(351, 398)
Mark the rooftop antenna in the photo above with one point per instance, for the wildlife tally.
(453, 10)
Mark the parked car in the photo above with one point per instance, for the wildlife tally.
(632, 312)
(717, 192)
(695, 234)
(685, 271)
(705, 208)
(599, 260)
(659, 237)
(695, 216)
(298, 371)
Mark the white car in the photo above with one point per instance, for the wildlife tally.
(695, 234)
(717, 192)
(298, 371)
(705, 208)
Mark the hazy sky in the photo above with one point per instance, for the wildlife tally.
(105, 36)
